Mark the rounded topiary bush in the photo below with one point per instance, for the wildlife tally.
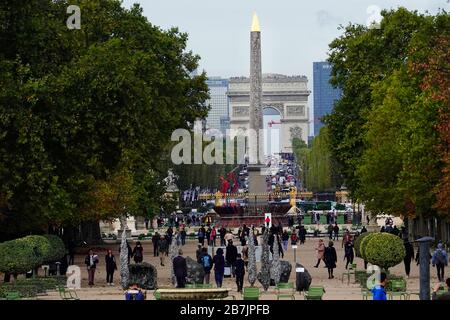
(364, 242)
(41, 247)
(58, 250)
(357, 243)
(18, 256)
(385, 250)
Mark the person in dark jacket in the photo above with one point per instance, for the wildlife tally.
(409, 256)
(180, 269)
(71, 248)
(207, 263)
(336, 232)
(222, 233)
(155, 241)
(163, 248)
(219, 267)
(440, 260)
(240, 272)
(91, 261)
(138, 253)
(330, 259)
(111, 266)
(231, 256)
(198, 253)
(349, 253)
(302, 234)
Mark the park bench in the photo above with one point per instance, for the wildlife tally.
(12, 295)
(67, 294)
(285, 290)
(315, 293)
(251, 293)
(351, 270)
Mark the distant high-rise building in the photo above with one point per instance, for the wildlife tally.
(218, 116)
(324, 93)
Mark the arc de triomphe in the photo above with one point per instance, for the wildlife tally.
(287, 94)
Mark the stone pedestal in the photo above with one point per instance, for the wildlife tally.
(128, 233)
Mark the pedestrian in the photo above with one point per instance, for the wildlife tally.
(138, 253)
(379, 291)
(135, 293)
(111, 266)
(219, 267)
(213, 236)
(183, 236)
(228, 236)
(155, 241)
(320, 249)
(363, 229)
(198, 253)
(349, 253)
(302, 234)
(180, 269)
(201, 236)
(285, 239)
(91, 261)
(169, 235)
(345, 238)
(163, 248)
(240, 272)
(207, 263)
(336, 232)
(208, 236)
(244, 253)
(294, 238)
(330, 259)
(231, 256)
(146, 221)
(222, 233)
(440, 260)
(330, 231)
(409, 256)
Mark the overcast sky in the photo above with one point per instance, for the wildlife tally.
(294, 32)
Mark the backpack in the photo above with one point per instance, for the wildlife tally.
(440, 257)
(205, 261)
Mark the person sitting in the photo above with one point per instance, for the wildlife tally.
(443, 296)
(135, 293)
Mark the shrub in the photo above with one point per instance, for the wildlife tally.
(363, 244)
(18, 256)
(358, 241)
(384, 250)
(58, 250)
(41, 247)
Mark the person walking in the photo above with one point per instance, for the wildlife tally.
(91, 261)
(409, 256)
(345, 238)
(440, 260)
(219, 267)
(138, 253)
(302, 234)
(111, 266)
(231, 256)
(213, 236)
(208, 236)
(163, 248)
(207, 263)
(285, 239)
(222, 233)
(183, 235)
(240, 272)
(320, 249)
(198, 253)
(294, 238)
(155, 241)
(336, 232)
(180, 269)
(330, 231)
(201, 236)
(330, 259)
(379, 291)
(349, 253)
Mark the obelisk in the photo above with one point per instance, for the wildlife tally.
(257, 180)
(256, 144)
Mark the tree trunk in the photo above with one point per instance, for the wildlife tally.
(90, 232)
(7, 277)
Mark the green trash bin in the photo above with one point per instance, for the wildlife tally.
(323, 219)
(307, 219)
(340, 220)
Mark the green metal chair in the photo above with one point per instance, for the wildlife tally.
(366, 294)
(190, 286)
(315, 293)
(350, 271)
(285, 290)
(251, 293)
(67, 294)
(397, 288)
(13, 295)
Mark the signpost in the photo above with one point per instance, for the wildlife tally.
(295, 253)
(268, 220)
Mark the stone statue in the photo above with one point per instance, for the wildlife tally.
(144, 274)
(195, 271)
(275, 270)
(302, 279)
(264, 275)
(124, 271)
(170, 181)
(252, 271)
(174, 247)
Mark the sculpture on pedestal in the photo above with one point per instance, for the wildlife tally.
(174, 247)
(124, 272)
(264, 275)
(252, 271)
(275, 270)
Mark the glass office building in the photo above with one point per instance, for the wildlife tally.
(218, 116)
(324, 94)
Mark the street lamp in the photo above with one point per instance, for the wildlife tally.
(424, 258)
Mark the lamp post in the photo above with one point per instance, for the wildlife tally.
(424, 258)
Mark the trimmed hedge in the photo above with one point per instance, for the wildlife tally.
(58, 249)
(385, 250)
(357, 243)
(18, 256)
(363, 244)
